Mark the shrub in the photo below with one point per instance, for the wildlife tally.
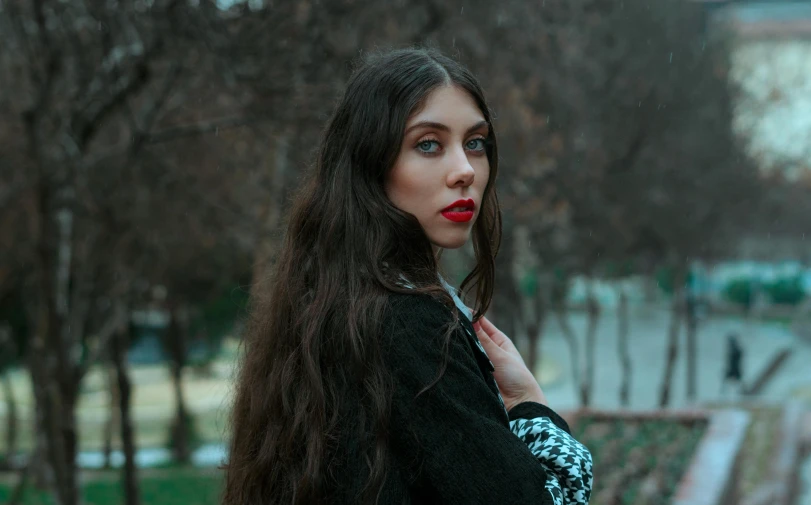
(529, 283)
(739, 291)
(666, 279)
(788, 291)
(784, 291)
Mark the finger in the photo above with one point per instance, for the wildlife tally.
(494, 333)
(490, 347)
(498, 336)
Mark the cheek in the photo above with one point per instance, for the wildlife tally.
(388, 186)
(483, 176)
(407, 179)
(400, 187)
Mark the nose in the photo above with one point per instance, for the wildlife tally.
(460, 172)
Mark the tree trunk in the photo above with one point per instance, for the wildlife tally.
(130, 475)
(39, 470)
(650, 288)
(60, 440)
(177, 349)
(534, 341)
(9, 348)
(535, 320)
(113, 416)
(52, 368)
(692, 330)
(22, 481)
(571, 340)
(587, 385)
(181, 430)
(672, 340)
(49, 412)
(271, 215)
(56, 405)
(11, 419)
(623, 330)
(66, 379)
(503, 310)
(70, 439)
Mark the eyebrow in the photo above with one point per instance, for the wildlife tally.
(440, 126)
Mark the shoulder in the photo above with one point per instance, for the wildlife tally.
(415, 323)
(416, 313)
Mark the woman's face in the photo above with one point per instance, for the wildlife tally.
(442, 161)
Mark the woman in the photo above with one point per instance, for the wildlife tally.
(363, 379)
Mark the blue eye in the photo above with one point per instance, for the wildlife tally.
(475, 145)
(428, 146)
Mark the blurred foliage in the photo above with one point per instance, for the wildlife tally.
(558, 283)
(739, 291)
(12, 313)
(219, 316)
(786, 291)
(215, 320)
(666, 278)
(529, 283)
(781, 291)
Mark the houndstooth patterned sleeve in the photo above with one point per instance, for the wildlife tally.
(567, 462)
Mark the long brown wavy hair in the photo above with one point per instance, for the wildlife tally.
(311, 365)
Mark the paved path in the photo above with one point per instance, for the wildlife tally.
(647, 342)
(647, 347)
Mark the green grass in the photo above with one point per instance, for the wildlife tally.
(173, 486)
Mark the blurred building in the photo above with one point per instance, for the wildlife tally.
(771, 75)
(771, 67)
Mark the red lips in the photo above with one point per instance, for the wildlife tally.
(460, 211)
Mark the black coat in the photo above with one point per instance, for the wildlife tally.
(456, 444)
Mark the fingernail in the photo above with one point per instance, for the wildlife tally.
(477, 326)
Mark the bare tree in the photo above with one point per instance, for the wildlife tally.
(622, 347)
(95, 83)
(124, 387)
(8, 349)
(627, 83)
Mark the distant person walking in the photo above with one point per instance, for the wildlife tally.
(733, 373)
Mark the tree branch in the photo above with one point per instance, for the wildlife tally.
(103, 338)
(213, 126)
(150, 112)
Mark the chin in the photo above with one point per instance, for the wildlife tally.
(451, 242)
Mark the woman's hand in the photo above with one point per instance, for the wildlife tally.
(515, 381)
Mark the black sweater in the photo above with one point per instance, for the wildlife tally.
(455, 443)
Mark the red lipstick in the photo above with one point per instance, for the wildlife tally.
(460, 211)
